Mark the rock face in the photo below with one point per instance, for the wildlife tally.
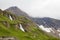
(1, 13)
(9, 15)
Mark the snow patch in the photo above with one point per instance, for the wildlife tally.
(58, 30)
(46, 29)
(10, 17)
(52, 30)
(22, 28)
(59, 34)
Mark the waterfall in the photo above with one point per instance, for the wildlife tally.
(21, 28)
(10, 17)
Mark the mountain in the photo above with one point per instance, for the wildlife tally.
(21, 28)
(15, 10)
(45, 22)
(51, 24)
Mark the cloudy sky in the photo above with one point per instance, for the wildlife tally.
(35, 8)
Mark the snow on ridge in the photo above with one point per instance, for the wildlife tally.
(58, 30)
(59, 34)
(46, 29)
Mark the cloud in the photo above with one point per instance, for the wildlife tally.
(39, 4)
(46, 8)
(35, 8)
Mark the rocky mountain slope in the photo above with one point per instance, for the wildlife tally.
(51, 24)
(21, 28)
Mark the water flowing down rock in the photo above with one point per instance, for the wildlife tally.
(21, 28)
(10, 17)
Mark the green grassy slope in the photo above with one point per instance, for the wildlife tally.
(32, 32)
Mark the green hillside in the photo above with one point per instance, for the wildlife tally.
(10, 27)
